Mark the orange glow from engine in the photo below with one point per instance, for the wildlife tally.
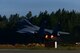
(46, 36)
(52, 36)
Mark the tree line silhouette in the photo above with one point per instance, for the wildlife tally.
(69, 20)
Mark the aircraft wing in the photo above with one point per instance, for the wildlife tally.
(60, 32)
(32, 29)
(63, 32)
(25, 30)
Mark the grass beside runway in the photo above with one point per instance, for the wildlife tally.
(39, 47)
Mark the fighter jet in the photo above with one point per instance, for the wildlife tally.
(39, 32)
(30, 28)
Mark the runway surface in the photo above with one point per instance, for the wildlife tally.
(37, 51)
